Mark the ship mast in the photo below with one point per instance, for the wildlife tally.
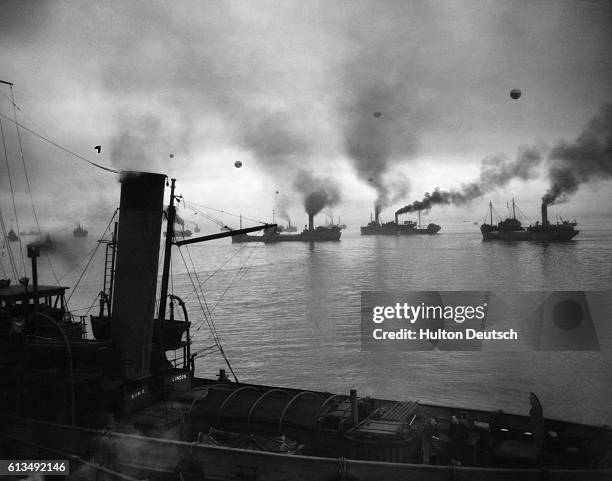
(513, 211)
(171, 215)
(491, 211)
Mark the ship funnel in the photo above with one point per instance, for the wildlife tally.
(140, 220)
(376, 213)
(310, 222)
(544, 213)
(396, 216)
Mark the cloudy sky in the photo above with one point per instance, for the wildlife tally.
(381, 101)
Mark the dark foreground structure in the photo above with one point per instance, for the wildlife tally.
(127, 404)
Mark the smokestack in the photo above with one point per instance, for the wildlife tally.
(140, 219)
(396, 221)
(33, 253)
(354, 409)
(544, 213)
(310, 222)
(376, 213)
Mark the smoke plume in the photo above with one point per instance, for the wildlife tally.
(282, 205)
(386, 106)
(496, 171)
(318, 192)
(587, 159)
(370, 137)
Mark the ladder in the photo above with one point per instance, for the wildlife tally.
(106, 295)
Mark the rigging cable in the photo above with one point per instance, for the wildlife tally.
(25, 171)
(108, 169)
(8, 171)
(91, 258)
(192, 204)
(523, 214)
(239, 275)
(209, 320)
(195, 273)
(218, 269)
(8, 248)
(5, 276)
(41, 130)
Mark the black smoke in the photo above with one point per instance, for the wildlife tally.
(318, 192)
(587, 159)
(496, 171)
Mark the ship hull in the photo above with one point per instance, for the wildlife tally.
(173, 442)
(157, 458)
(240, 239)
(392, 229)
(526, 235)
(306, 236)
(365, 231)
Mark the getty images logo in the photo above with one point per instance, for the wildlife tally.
(535, 320)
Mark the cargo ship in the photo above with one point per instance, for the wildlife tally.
(410, 227)
(511, 228)
(127, 404)
(288, 228)
(79, 231)
(12, 236)
(375, 227)
(242, 238)
(309, 234)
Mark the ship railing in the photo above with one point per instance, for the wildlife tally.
(178, 361)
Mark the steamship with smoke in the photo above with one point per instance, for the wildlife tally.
(511, 228)
(127, 404)
(277, 234)
(375, 227)
(309, 234)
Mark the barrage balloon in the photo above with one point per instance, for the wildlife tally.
(238, 164)
(515, 94)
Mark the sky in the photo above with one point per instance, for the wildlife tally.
(363, 102)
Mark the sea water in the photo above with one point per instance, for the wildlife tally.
(288, 314)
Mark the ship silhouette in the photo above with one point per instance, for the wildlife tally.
(511, 228)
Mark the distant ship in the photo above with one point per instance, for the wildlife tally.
(375, 227)
(330, 223)
(12, 236)
(79, 231)
(181, 233)
(409, 227)
(288, 228)
(45, 245)
(309, 234)
(242, 238)
(511, 229)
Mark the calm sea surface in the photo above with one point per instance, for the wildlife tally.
(289, 315)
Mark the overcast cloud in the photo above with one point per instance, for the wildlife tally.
(388, 99)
